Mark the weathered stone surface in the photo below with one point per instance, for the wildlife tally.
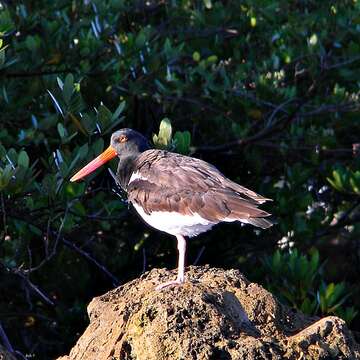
(215, 315)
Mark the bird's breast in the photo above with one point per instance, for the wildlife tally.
(175, 223)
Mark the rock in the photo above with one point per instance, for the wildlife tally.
(215, 315)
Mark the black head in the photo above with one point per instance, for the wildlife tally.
(124, 143)
(127, 142)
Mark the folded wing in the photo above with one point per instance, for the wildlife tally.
(164, 181)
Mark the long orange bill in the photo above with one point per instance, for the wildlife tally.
(107, 155)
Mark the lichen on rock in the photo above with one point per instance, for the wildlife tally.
(217, 314)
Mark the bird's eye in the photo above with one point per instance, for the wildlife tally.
(122, 139)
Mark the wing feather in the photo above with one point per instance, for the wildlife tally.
(173, 182)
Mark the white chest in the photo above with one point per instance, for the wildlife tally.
(174, 223)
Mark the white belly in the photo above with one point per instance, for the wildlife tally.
(174, 223)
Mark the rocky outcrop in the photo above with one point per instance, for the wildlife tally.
(215, 315)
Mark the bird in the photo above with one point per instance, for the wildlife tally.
(180, 195)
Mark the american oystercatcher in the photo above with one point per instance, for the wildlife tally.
(177, 194)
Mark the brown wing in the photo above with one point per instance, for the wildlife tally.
(172, 182)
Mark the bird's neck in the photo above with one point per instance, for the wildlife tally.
(125, 168)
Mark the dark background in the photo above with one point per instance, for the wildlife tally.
(267, 91)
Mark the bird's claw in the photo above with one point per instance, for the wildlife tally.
(169, 283)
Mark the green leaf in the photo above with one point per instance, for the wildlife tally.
(212, 59)
(77, 123)
(5, 176)
(114, 124)
(329, 290)
(182, 141)
(104, 117)
(163, 139)
(61, 130)
(338, 179)
(118, 111)
(75, 160)
(196, 56)
(168, 48)
(60, 83)
(56, 103)
(208, 4)
(355, 185)
(98, 146)
(88, 122)
(31, 43)
(68, 88)
(313, 40)
(140, 39)
(23, 159)
(83, 151)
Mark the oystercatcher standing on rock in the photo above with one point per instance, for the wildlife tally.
(177, 194)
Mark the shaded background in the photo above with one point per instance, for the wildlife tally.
(268, 91)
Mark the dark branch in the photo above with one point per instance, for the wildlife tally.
(86, 255)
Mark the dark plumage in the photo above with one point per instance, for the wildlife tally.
(177, 194)
(173, 182)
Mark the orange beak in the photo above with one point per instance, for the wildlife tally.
(103, 158)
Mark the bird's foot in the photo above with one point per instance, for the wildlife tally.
(169, 283)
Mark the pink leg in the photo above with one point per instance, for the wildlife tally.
(181, 265)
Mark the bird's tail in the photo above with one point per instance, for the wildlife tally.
(247, 212)
(259, 222)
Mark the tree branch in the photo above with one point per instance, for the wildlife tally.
(69, 244)
(86, 255)
(274, 126)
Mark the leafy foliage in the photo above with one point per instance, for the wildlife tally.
(164, 140)
(299, 281)
(345, 180)
(267, 91)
